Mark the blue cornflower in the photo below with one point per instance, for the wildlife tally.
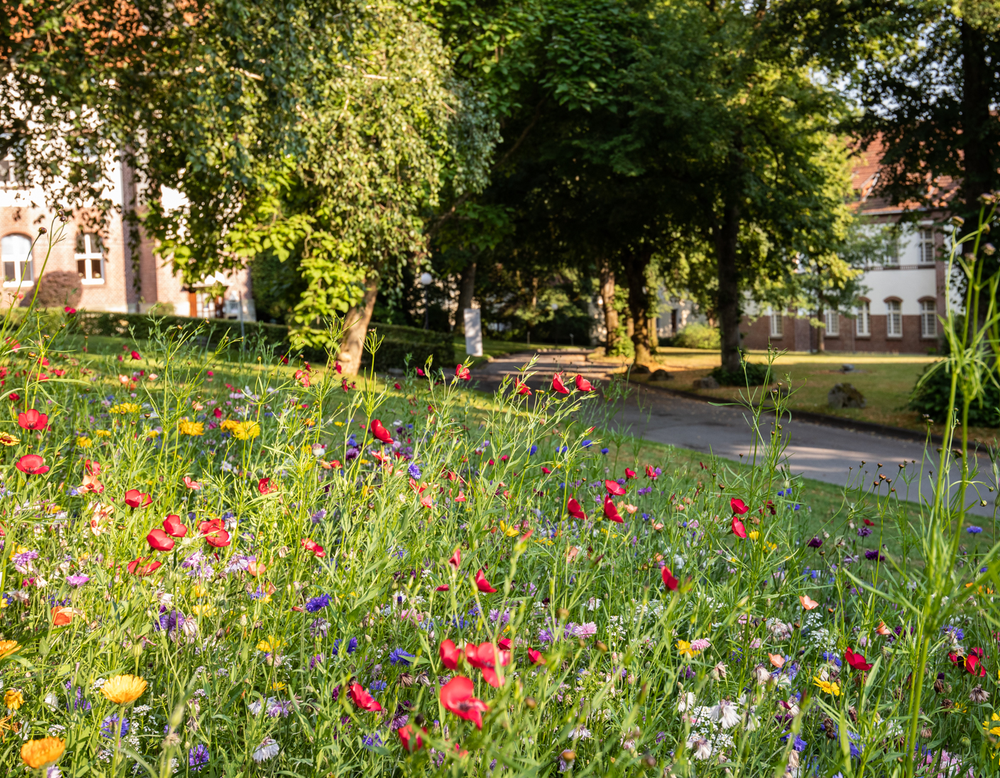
(533, 450)
(318, 603)
(587, 443)
(352, 645)
(198, 757)
(378, 686)
(973, 530)
(109, 727)
(799, 744)
(414, 471)
(400, 657)
(604, 451)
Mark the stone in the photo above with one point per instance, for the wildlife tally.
(847, 368)
(661, 375)
(708, 382)
(845, 396)
(638, 369)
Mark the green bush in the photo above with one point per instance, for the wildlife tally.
(696, 335)
(396, 344)
(755, 375)
(931, 398)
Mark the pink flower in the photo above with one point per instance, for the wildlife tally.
(32, 464)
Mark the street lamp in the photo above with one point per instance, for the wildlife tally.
(425, 281)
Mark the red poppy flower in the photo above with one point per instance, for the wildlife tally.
(316, 548)
(140, 567)
(630, 474)
(738, 506)
(456, 558)
(32, 420)
(173, 526)
(482, 584)
(456, 697)
(91, 468)
(611, 512)
(411, 740)
(558, 385)
(379, 432)
(32, 464)
(574, 509)
(856, 661)
(264, 486)
(869, 523)
(650, 472)
(461, 371)
(442, 588)
(521, 388)
(583, 384)
(614, 488)
(363, 699)
(204, 527)
(218, 539)
(668, 579)
(451, 654)
(160, 540)
(136, 499)
(738, 529)
(61, 616)
(487, 657)
(536, 657)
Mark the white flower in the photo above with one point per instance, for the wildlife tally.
(52, 701)
(702, 747)
(268, 749)
(726, 714)
(686, 702)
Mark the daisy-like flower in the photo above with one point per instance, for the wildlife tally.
(268, 749)
(830, 687)
(193, 428)
(725, 713)
(6, 439)
(39, 753)
(13, 699)
(123, 689)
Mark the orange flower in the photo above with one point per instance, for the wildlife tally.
(807, 603)
(39, 753)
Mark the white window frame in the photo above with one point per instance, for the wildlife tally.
(777, 324)
(926, 244)
(863, 322)
(928, 319)
(893, 319)
(832, 322)
(895, 252)
(19, 263)
(87, 257)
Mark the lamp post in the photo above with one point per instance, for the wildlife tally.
(425, 281)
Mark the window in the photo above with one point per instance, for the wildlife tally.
(892, 252)
(777, 324)
(928, 319)
(89, 258)
(832, 324)
(863, 322)
(893, 319)
(15, 253)
(926, 247)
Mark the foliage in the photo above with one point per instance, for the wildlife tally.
(695, 335)
(931, 394)
(749, 374)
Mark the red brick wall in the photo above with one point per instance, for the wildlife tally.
(797, 336)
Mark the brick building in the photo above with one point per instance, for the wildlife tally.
(114, 272)
(899, 312)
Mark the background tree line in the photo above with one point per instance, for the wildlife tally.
(529, 153)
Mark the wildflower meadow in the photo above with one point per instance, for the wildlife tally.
(233, 562)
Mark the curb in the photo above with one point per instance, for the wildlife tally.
(831, 421)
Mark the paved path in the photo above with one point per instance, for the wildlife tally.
(824, 453)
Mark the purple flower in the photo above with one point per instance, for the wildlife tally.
(78, 579)
(400, 657)
(815, 543)
(414, 471)
(973, 530)
(864, 532)
(198, 757)
(873, 555)
(318, 603)
(109, 728)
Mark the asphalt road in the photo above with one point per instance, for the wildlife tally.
(824, 453)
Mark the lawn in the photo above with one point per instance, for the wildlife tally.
(885, 380)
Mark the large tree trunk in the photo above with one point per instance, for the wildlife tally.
(820, 331)
(356, 323)
(725, 239)
(466, 291)
(636, 265)
(607, 277)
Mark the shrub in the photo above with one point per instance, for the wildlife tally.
(57, 288)
(696, 335)
(931, 398)
(755, 375)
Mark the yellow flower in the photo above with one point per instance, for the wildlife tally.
(191, 427)
(13, 699)
(241, 430)
(753, 534)
(84, 442)
(123, 689)
(684, 649)
(199, 590)
(6, 439)
(123, 408)
(510, 531)
(102, 433)
(339, 423)
(995, 729)
(39, 753)
(204, 610)
(270, 645)
(228, 425)
(8, 647)
(152, 434)
(830, 687)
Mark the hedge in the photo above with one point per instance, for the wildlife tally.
(397, 341)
